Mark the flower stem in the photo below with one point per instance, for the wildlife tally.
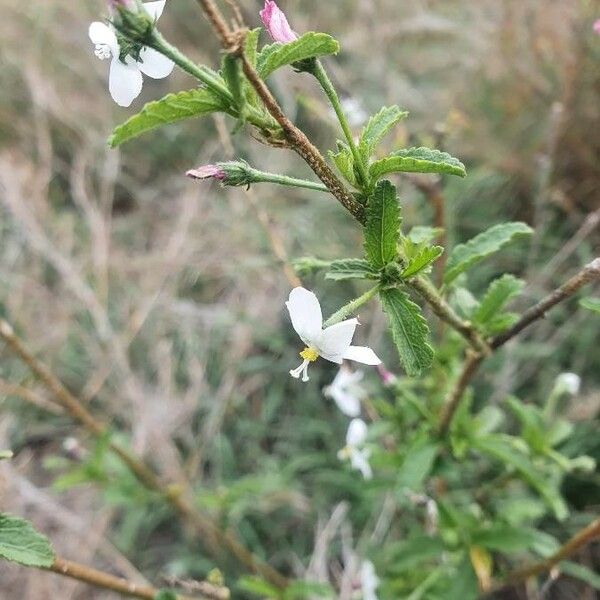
(264, 177)
(321, 76)
(351, 307)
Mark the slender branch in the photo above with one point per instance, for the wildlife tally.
(445, 312)
(579, 540)
(321, 76)
(351, 307)
(175, 496)
(590, 273)
(265, 177)
(217, 20)
(100, 579)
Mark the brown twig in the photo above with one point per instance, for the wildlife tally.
(100, 579)
(579, 540)
(178, 498)
(589, 273)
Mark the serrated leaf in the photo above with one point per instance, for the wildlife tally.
(481, 246)
(421, 261)
(382, 228)
(170, 109)
(499, 447)
(377, 127)
(21, 543)
(344, 161)
(417, 160)
(309, 45)
(499, 292)
(351, 268)
(592, 304)
(409, 331)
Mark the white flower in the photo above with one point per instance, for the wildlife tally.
(332, 343)
(368, 580)
(355, 450)
(125, 78)
(569, 383)
(346, 391)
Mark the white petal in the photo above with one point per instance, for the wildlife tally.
(362, 354)
(357, 433)
(154, 64)
(155, 9)
(369, 580)
(347, 403)
(101, 33)
(305, 313)
(124, 82)
(359, 461)
(335, 339)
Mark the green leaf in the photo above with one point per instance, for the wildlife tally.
(351, 268)
(417, 160)
(463, 585)
(580, 572)
(482, 246)
(590, 303)
(258, 586)
(409, 330)
(309, 45)
(499, 447)
(377, 127)
(507, 538)
(422, 234)
(382, 229)
(344, 161)
(307, 265)
(416, 466)
(251, 45)
(409, 553)
(165, 595)
(171, 108)
(499, 292)
(21, 543)
(422, 261)
(300, 590)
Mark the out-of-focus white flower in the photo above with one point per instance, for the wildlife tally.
(354, 111)
(368, 580)
(569, 383)
(125, 73)
(332, 343)
(346, 391)
(355, 448)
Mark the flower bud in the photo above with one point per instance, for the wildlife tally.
(597, 26)
(232, 173)
(568, 383)
(276, 23)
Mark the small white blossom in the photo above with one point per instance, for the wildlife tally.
(368, 580)
(569, 383)
(346, 391)
(332, 343)
(125, 78)
(355, 448)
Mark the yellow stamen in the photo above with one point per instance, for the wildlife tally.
(309, 354)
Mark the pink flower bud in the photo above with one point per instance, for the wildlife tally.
(597, 26)
(207, 171)
(276, 23)
(386, 376)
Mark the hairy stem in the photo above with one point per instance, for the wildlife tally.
(179, 499)
(351, 307)
(445, 312)
(590, 273)
(321, 76)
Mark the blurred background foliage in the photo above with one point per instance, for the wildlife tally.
(160, 301)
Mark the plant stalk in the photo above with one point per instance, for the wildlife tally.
(351, 307)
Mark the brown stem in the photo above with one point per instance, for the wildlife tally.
(578, 541)
(589, 273)
(100, 579)
(216, 19)
(445, 313)
(179, 499)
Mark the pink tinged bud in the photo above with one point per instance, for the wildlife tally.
(276, 23)
(206, 172)
(597, 26)
(386, 376)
